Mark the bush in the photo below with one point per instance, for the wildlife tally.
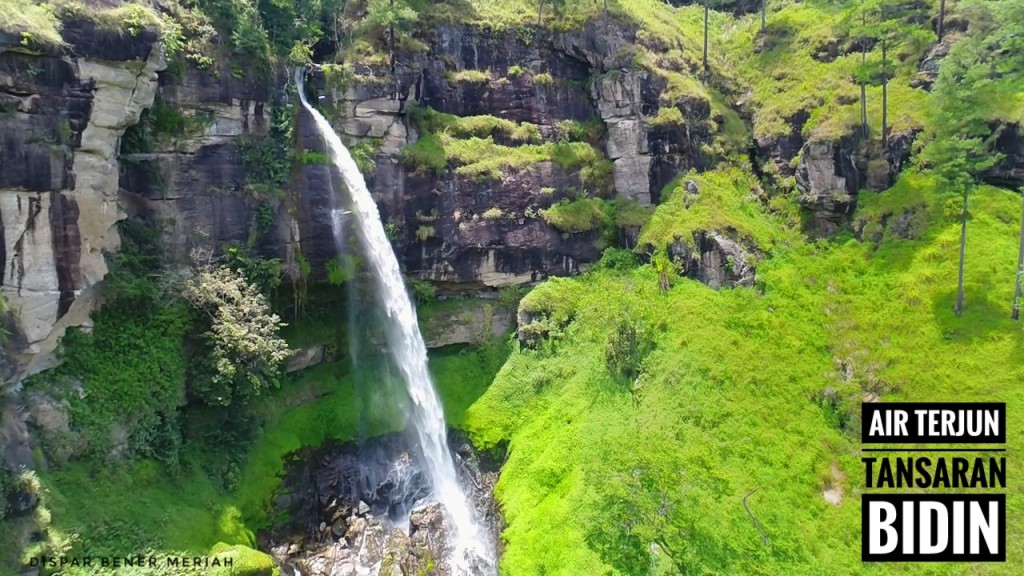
(423, 291)
(581, 215)
(626, 348)
(470, 76)
(426, 155)
(133, 360)
(616, 259)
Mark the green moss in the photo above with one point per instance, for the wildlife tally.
(470, 76)
(430, 120)
(667, 117)
(244, 561)
(426, 155)
(469, 144)
(580, 215)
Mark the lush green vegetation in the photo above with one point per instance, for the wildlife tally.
(185, 510)
(468, 143)
(30, 22)
(725, 200)
(739, 389)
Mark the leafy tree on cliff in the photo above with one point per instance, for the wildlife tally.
(395, 19)
(245, 349)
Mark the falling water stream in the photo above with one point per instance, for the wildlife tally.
(472, 553)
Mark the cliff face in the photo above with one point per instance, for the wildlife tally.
(63, 116)
(543, 82)
(69, 171)
(196, 183)
(219, 158)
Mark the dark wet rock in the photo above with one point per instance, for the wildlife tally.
(367, 510)
(1009, 172)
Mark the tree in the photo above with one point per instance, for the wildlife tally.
(764, 14)
(864, 72)
(942, 18)
(555, 5)
(245, 349)
(1020, 264)
(707, 13)
(395, 18)
(958, 142)
(952, 158)
(626, 348)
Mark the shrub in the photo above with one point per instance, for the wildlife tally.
(543, 79)
(626, 348)
(425, 232)
(423, 290)
(667, 116)
(493, 213)
(580, 215)
(425, 155)
(470, 76)
(616, 259)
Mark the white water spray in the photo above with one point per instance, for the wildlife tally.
(472, 551)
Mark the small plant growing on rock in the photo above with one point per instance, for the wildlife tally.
(470, 76)
(543, 79)
(493, 213)
(425, 232)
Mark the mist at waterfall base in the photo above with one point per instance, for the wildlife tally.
(471, 551)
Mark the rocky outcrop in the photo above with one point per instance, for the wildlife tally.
(620, 102)
(829, 181)
(191, 183)
(471, 322)
(1009, 172)
(347, 506)
(305, 358)
(716, 260)
(64, 116)
(441, 232)
(69, 175)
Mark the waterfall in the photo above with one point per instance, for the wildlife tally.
(472, 553)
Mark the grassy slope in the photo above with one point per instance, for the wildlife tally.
(786, 78)
(728, 402)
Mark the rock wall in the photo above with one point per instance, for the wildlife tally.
(70, 172)
(831, 172)
(192, 183)
(63, 117)
(589, 78)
